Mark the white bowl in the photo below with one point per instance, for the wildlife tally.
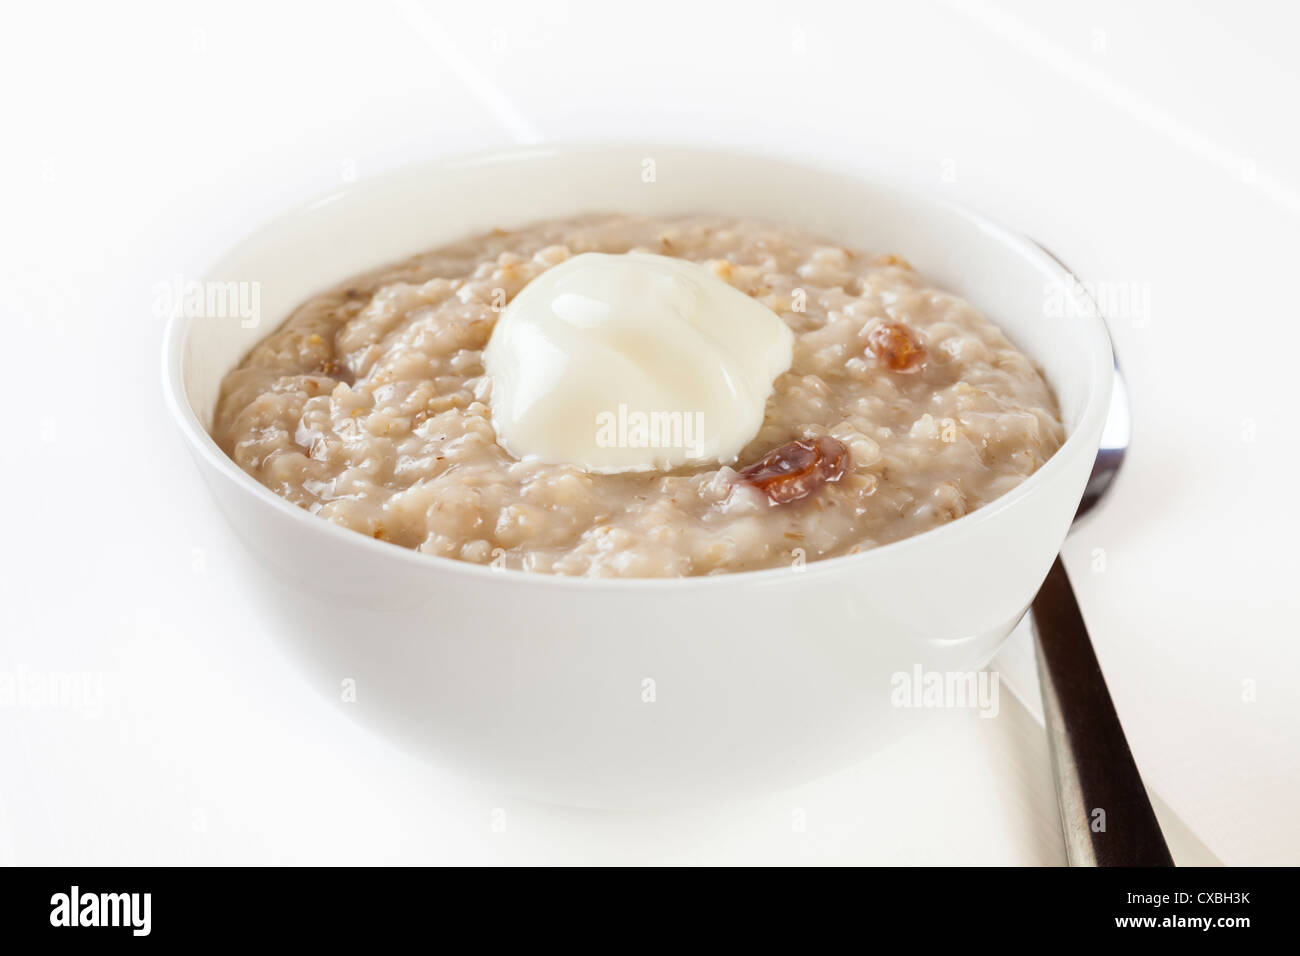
(618, 693)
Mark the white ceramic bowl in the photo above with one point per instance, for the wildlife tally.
(619, 693)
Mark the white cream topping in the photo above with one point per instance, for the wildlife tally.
(633, 362)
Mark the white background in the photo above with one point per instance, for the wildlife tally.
(1149, 143)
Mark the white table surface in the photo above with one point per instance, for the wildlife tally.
(1152, 144)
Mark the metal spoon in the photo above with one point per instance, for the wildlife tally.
(1106, 815)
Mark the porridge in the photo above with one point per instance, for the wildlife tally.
(901, 409)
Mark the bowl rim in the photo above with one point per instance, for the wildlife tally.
(1100, 360)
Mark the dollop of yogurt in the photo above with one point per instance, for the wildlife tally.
(634, 362)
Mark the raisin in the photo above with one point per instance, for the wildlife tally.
(336, 370)
(797, 469)
(897, 347)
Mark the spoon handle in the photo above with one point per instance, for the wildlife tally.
(1105, 813)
